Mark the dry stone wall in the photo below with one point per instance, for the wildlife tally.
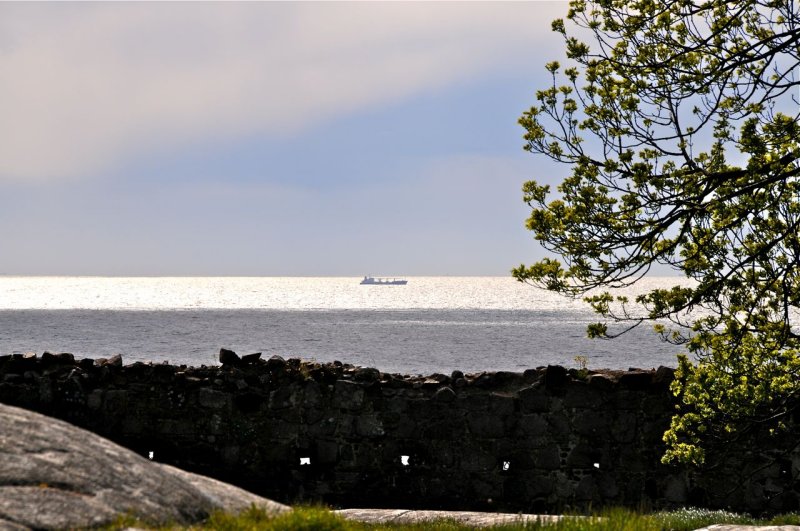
(546, 440)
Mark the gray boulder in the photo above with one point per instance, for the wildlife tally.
(56, 476)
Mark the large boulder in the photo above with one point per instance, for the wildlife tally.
(56, 476)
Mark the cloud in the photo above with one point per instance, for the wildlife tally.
(456, 214)
(85, 87)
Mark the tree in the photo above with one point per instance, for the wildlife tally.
(679, 124)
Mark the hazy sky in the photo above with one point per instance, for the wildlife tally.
(269, 138)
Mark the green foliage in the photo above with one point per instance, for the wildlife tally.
(583, 366)
(679, 124)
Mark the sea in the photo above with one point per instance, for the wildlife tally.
(430, 325)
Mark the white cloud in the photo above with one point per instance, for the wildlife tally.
(83, 87)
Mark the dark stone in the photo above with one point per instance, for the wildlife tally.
(368, 426)
(531, 374)
(636, 380)
(251, 359)
(486, 427)
(547, 458)
(276, 364)
(583, 455)
(348, 395)
(484, 380)
(67, 358)
(367, 375)
(607, 486)
(582, 395)
(592, 424)
(533, 425)
(585, 489)
(533, 399)
(559, 427)
(445, 394)
(327, 451)
(164, 373)
(281, 398)
(663, 377)
(505, 377)
(456, 375)
(209, 398)
(355, 424)
(21, 363)
(248, 402)
(555, 377)
(624, 426)
(542, 485)
(500, 404)
(228, 357)
(48, 358)
(600, 381)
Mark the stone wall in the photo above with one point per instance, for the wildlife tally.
(546, 440)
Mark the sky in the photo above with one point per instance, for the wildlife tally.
(269, 138)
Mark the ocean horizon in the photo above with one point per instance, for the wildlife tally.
(433, 324)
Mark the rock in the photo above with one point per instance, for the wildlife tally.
(636, 379)
(348, 395)
(534, 399)
(251, 359)
(276, 364)
(113, 361)
(367, 375)
(382, 517)
(445, 394)
(56, 476)
(20, 363)
(600, 381)
(225, 497)
(228, 357)
(484, 380)
(737, 527)
(555, 377)
(664, 376)
(531, 374)
(68, 359)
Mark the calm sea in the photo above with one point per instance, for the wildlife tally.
(433, 324)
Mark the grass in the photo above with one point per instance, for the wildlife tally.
(690, 519)
(322, 519)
